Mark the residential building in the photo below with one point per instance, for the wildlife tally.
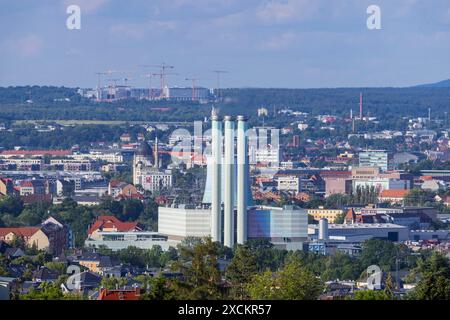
(288, 183)
(111, 224)
(374, 158)
(393, 196)
(321, 213)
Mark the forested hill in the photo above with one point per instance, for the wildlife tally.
(379, 102)
(441, 84)
(49, 104)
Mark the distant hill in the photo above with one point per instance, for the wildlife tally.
(441, 84)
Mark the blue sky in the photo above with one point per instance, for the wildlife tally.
(277, 43)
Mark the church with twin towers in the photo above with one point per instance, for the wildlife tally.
(227, 213)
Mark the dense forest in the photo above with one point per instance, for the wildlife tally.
(49, 103)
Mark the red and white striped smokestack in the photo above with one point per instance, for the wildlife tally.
(361, 106)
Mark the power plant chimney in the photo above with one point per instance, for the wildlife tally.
(242, 181)
(156, 153)
(361, 115)
(216, 159)
(323, 229)
(229, 173)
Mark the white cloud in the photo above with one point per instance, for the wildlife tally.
(286, 10)
(27, 46)
(140, 30)
(283, 41)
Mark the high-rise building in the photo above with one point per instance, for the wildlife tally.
(374, 158)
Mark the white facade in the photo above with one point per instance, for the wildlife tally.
(266, 155)
(122, 240)
(374, 158)
(381, 184)
(179, 223)
(115, 157)
(155, 180)
(290, 183)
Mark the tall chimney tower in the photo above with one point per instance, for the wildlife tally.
(156, 153)
(229, 172)
(242, 180)
(361, 106)
(216, 201)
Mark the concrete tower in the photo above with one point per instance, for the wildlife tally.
(156, 156)
(229, 176)
(216, 201)
(242, 180)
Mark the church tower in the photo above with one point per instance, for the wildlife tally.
(142, 159)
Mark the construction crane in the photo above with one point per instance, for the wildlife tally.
(162, 74)
(218, 73)
(162, 77)
(150, 89)
(107, 73)
(194, 88)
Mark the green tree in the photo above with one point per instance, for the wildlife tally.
(200, 271)
(293, 282)
(241, 269)
(112, 283)
(434, 281)
(59, 267)
(158, 288)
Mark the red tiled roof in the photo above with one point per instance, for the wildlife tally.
(112, 222)
(31, 198)
(114, 183)
(393, 193)
(129, 295)
(20, 232)
(26, 184)
(336, 174)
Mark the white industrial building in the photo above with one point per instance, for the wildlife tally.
(179, 222)
(122, 240)
(361, 232)
(227, 213)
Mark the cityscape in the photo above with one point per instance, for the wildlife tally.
(147, 183)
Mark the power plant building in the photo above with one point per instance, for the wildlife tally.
(227, 213)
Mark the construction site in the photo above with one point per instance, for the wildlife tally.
(115, 85)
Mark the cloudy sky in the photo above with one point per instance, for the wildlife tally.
(276, 43)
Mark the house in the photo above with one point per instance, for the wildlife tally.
(99, 264)
(111, 224)
(6, 286)
(45, 275)
(64, 188)
(120, 189)
(59, 234)
(446, 201)
(30, 235)
(6, 187)
(30, 187)
(13, 253)
(50, 236)
(393, 196)
(82, 282)
(126, 138)
(126, 294)
(433, 185)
